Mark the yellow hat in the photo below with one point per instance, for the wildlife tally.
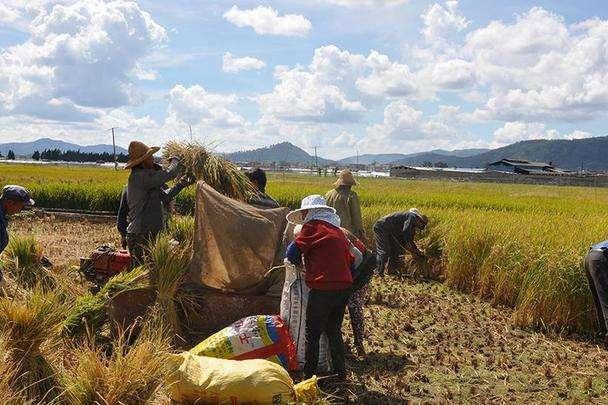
(138, 152)
(345, 178)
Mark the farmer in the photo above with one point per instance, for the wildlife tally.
(363, 270)
(13, 200)
(145, 196)
(346, 203)
(260, 198)
(596, 267)
(167, 195)
(328, 262)
(394, 234)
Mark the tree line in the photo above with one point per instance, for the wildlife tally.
(77, 156)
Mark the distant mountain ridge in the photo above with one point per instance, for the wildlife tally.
(384, 158)
(280, 152)
(28, 148)
(588, 153)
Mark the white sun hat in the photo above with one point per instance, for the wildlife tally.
(312, 202)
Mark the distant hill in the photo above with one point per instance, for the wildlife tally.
(27, 148)
(567, 154)
(281, 152)
(383, 158)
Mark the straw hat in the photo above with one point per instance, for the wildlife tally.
(345, 178)
(138, 152)
(309, 203)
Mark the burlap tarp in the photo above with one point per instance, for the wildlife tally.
(235, 244)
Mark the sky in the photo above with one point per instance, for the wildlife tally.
(346, 76)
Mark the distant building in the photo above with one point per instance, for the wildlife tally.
(403, 171)
(524, 167)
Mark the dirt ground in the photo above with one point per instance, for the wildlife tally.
(426, 342)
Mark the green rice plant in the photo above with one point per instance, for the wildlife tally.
(23, 255)
(168, 269)
(223, 175)
(130, 374)
(181, 228)
(89, 312)
(27, 327)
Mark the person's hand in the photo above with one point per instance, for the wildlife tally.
(123, 242)
(187, 180)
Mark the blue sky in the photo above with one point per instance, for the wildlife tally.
(368, 75)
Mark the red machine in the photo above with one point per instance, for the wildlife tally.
(104, 263)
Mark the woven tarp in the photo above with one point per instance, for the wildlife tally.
(235, 244)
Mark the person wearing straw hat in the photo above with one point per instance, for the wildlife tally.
(394, 234)
(346, 203)
(146, 197)
(13, 200)
(323, 248)
(596, 268)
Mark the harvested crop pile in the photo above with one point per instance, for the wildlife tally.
(222, 175)
(28, 326)
(89, 313)
(23, 262)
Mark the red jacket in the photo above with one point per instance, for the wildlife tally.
(326, 256)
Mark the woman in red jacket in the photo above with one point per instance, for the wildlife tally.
(328, 261)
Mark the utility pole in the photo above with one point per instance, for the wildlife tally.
(114, 146)
(190, 127)
(357, 151)
(316, 158)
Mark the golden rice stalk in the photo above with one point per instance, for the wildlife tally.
(224, 176)
(89, 313)
(23, 255)
(7, 375)
(27, 326)
(168, 267)
(131, 374)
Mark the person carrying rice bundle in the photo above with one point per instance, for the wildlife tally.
(325, 251)
(146, 196)
(259, 198)
(346, 203)
(394, 234)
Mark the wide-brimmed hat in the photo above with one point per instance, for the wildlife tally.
(138, 152)
(309, 203)
(345, 178)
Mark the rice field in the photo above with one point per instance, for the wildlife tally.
(514, 245)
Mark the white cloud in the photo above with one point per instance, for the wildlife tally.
(440, 22)
(266, 20)
(79, 57)
(8, 15)
(538, 68)
(230, 64)
(522, 131)
(365, 3)
(194, 105)
(454, 74)
(387, 78)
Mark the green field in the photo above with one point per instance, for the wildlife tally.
(517, 245)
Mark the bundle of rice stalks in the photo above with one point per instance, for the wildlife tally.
(430, 267)
(27, 326)
(89, 313)
(181, 228)
(168, 269)
(23, 262)
(130, 374)
(222, 175)
(7, 374)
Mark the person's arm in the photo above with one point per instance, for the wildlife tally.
(293, 254)
(156, 178)
(122, 221)
(411, 247)
(408, 237)
(168, 194)
(3, 238)
(355, 216)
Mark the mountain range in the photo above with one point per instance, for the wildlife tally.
(588, 153)
(27, 148)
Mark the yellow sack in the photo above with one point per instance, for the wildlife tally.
(207, 380)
